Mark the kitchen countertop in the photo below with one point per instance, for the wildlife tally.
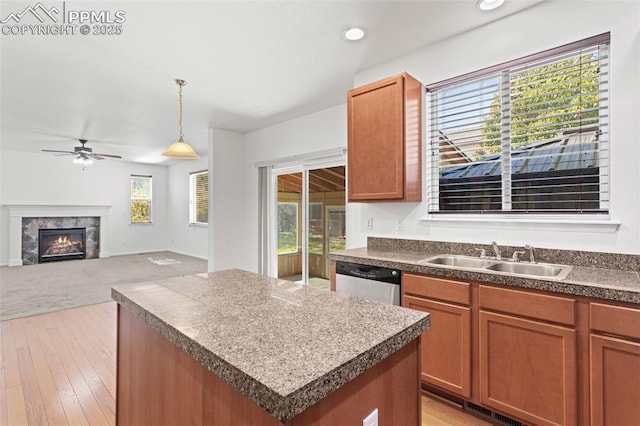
(284, 346)
(598, 282)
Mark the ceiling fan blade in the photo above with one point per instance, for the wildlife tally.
(95, 156)
(66, 154)
(108, 155)
(54, 150)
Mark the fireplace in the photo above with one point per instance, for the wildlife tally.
(61, 244)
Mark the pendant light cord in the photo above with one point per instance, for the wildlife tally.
(180, 149)
(180, 83)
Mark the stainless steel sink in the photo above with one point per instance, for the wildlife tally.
(503, 267)
(531, 269)
(459, 261)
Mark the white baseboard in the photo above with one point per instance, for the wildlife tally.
(129, 253)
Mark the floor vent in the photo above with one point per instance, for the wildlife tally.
(490, 415)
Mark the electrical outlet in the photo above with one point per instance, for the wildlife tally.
(400, 224)
(368, 224)
(371, 419)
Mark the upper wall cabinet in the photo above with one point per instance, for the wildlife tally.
(385, 141)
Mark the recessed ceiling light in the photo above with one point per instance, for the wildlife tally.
(489, 4)
(353, 33)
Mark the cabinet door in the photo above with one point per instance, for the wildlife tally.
(615, 381)
(528, 369)
(445, 352)
(376, 141)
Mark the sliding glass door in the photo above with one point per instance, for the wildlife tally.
(309, 221)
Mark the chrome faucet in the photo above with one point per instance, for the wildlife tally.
(483, 253)
(532, 259)
(496, 249)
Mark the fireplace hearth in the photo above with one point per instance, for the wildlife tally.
(61, 244)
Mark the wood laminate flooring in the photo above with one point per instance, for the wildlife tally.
(60, 369)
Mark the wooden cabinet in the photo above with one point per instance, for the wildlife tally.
(527, 366)
(385, 140)
(538, 357)
(615, 365)
(446, 348)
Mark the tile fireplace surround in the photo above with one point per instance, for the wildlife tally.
(24, 217)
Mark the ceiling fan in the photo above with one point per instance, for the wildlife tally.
(84, 154)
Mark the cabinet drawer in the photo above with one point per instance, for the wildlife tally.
(532, 305)
(615, 320)
(436, 288)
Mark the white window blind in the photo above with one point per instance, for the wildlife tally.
(199, 197)
(530, 136)
(141, 192)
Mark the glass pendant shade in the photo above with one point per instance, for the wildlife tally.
(180, 149)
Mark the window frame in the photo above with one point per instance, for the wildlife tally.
(537, 216)
(193, 198)
(149, 200)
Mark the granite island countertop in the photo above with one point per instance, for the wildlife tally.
(283, 345)
(605, 280)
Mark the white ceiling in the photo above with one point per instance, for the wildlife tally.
(248, 64)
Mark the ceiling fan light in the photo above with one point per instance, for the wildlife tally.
(180, 149)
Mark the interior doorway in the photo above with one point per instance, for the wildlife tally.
(310, 222)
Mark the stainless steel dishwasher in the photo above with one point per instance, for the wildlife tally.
(368, 282)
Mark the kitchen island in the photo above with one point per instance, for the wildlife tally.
(233, 347)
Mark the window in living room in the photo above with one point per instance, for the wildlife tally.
(141, 191)
(199, 198)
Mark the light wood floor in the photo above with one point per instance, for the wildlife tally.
(59, 369)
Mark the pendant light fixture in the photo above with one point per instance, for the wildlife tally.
(180, 149)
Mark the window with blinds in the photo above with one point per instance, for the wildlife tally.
(141, 192)
(199, 197)
(528, 136)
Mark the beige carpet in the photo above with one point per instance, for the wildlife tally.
(48, 287)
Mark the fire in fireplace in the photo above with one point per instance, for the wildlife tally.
(61, 244)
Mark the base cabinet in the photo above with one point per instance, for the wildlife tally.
(445, 355)
(615, 381)
(615, 365)
(448, 367)
(541, 358)
(528, 369)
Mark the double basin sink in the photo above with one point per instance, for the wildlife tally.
(503, 267)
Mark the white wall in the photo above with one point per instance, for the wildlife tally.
(545, 26)
(183, 237)
(320, 131)
(35, 178)
(226, 249)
